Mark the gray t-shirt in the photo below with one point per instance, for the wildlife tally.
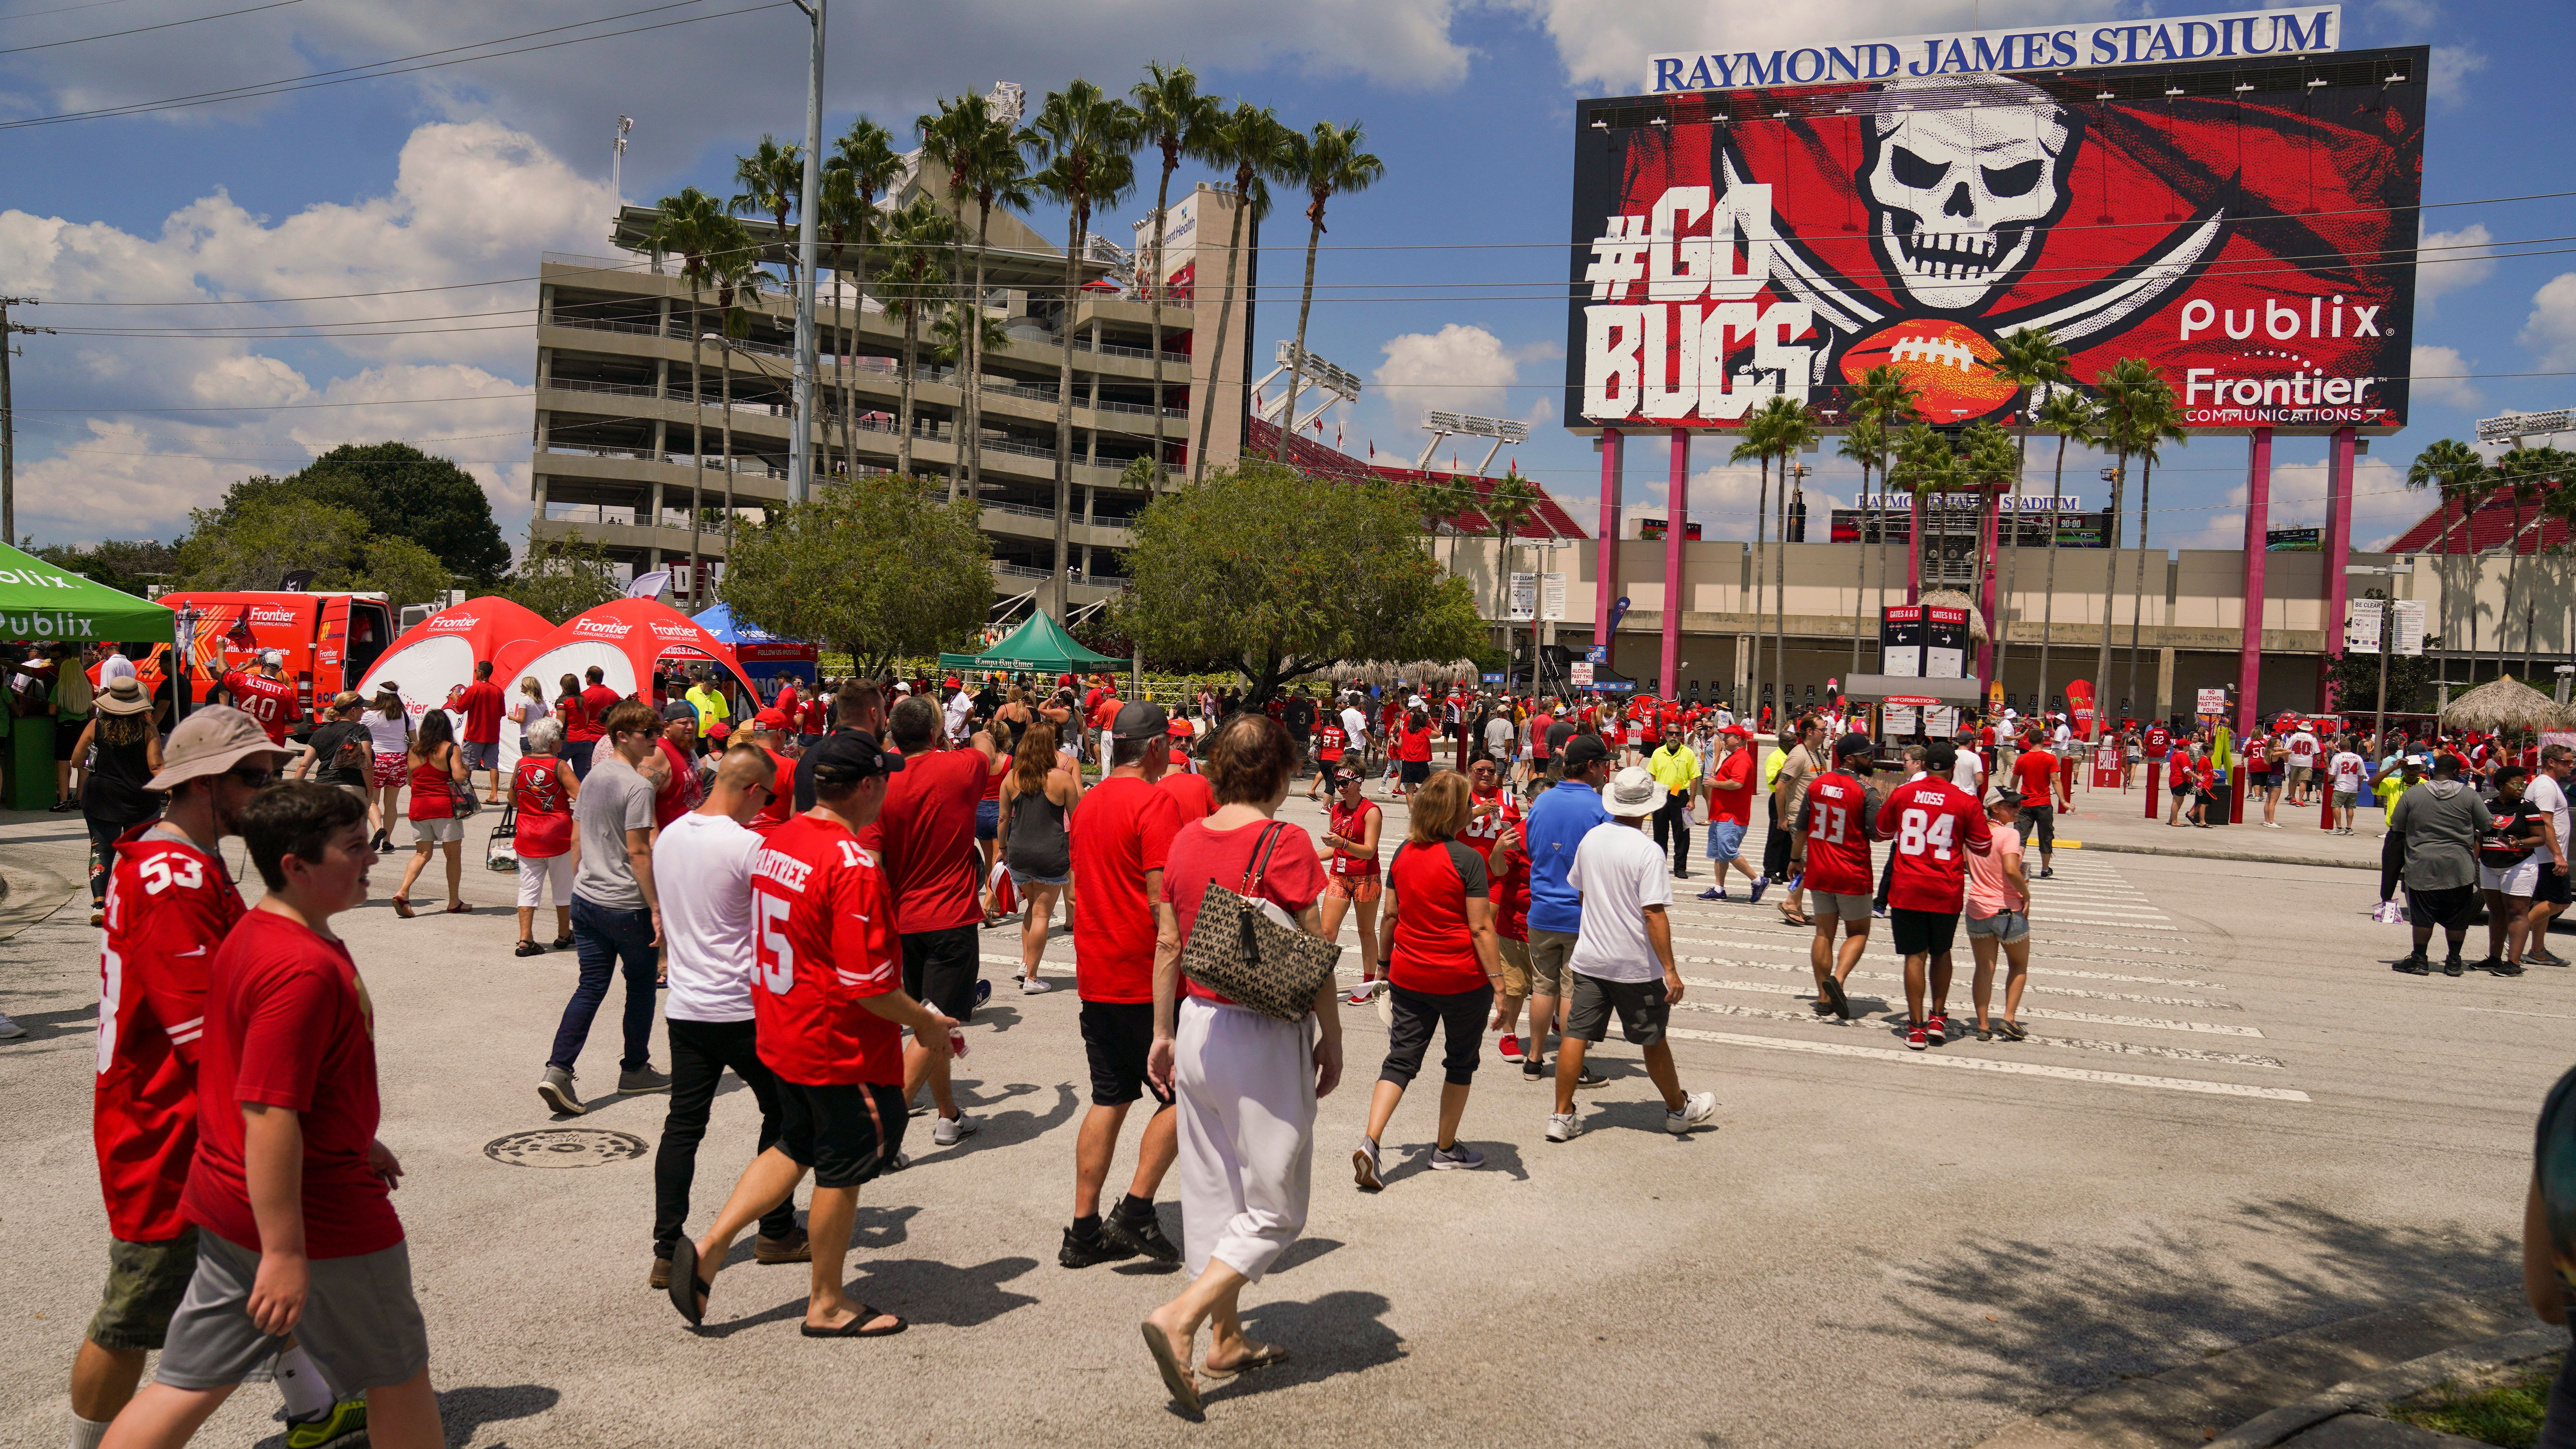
(613, 801)
(2441, 820)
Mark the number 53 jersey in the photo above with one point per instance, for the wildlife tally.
(822, 942)
(169, 905)
(1935, 826)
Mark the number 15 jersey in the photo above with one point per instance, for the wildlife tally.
(1936, 826)
(822, 942)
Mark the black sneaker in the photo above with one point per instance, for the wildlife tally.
(1082, 1252)
(2451, 966)
(1533, 1069)
(2500, 966)
(1591, 1078)
(2414, 965)
(1143, 1237)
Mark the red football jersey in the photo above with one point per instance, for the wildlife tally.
(1838, 836)
(169, 906)
(822, 942)
(1936, 826)
(269, 701)
(1484, 831)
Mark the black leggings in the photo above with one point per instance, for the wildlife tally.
(2392, 864)
(1462, 1014)
(102, 839)
(1672, 826)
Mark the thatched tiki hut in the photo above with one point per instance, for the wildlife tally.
(2505, 706)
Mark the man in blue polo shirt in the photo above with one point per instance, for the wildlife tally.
(1558, 821)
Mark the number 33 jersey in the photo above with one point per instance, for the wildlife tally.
(169, 905)
(1838, 836)
(1935, 827)
(822, 942)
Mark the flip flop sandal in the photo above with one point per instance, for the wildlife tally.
(1262, 1356)
(1176, 1374)
(686, 1286)
(1834, 992)
(857, 1327)
(2012, 1029)
(402, 907)
(460, 909)
(561, 943)
(1797, 920)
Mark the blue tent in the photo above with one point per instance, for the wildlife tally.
(766, 658)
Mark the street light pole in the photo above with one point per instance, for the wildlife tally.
(800, 467)
(2387, 642)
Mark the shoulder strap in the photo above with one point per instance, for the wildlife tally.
(1260, 862)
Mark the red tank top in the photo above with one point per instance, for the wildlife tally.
(429, 789)
(544, 811)
(1352, 824)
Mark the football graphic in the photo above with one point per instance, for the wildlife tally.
(1949, 361)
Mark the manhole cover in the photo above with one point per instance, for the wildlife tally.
(565, 1147)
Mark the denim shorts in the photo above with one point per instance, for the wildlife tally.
(2005, 926)
(1725, 840)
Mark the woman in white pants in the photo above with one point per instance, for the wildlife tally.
(543, 789)
(1245, 1083)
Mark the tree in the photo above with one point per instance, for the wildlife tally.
(1274, 574)
(2158, 418)
(1925, 468)
(696, 228)
(1756, 445)
(1326, 160)
(948, 139)
(1863, 441)
(1509, 506)
(2459, 475)
(1087, 141)
(999, 176)
(404, 572)
(2354, 679)
(772, 179)
(1885, 397)
(260, 543)
(912, 278)
(2030, 359)
(1788, 431)
(1177, 121)
(2073, 417)
(2526, 475)
(873, 567)
(738, 278)
(1250, 139)
(132, 565)
(2126, 413)
(398, 490)
(561, 577)
(1990, 461)
(864, 161)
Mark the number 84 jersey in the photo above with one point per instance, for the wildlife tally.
(1935, 826)
(169, 906)
(822, 941)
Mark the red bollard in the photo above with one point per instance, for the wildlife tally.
(2236, 794)
(2155, 785)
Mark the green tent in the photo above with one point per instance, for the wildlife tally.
(42, 604)
(1041, 646)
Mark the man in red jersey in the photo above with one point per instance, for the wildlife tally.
(827, 1014)
(769, 731)
(169, 904)
(1118, 922)
(1936, 827)
(582, 732)
(924, 841)
(2036, 776)
(265, 695)
(1840, 814)
(481, 704)
(290, 1188)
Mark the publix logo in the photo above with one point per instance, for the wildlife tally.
(604, 628)
(49, 624)
(31, 577)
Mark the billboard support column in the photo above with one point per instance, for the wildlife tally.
(2338, 545)
(1605, 554)
(2258, 504)
(1676, 509)
(1986, 526)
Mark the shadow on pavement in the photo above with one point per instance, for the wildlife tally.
(45, 1026)
(2047, 1319)
(1336, 1334)
(465, 1411)
(1415, 1158)
(928, 1292)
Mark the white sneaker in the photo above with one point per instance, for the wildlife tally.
(1561, 1127)
(10, 1030)
(2271, 825)
(948, 1131)
(1032, 986)
(1698, 1107)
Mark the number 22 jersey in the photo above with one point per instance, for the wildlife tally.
(1935, 826)
(822, 942)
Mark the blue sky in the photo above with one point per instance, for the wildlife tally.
(1439, 287)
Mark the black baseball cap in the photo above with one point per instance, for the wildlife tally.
(1140, 719)
(1852, 744)
(847, 757)
(1584, 750)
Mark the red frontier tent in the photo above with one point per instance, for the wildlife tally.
(625, 639)
(437, 655)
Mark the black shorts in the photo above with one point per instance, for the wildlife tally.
(1461, 1015)
(67, 733)
(2554, 885)
(2455, 909)
(1643, 1012)
(2039, 826)
(1416, 771)
(1921, 933)
(831, 1129)
(1115, 1038)
(940, 968)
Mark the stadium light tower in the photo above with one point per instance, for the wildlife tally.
(1338, 384)
(2514, 427)
(1442, 426)
(800, 465)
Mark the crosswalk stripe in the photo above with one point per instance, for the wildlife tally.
(1988, 1064)
(2050, 1013)
(2124, 1048)
(1808, 972)
(1798, 946)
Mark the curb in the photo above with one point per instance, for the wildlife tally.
(2243, 855)
(28, 894)
(2373, 1392)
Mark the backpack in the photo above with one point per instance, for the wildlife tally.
(357, 753)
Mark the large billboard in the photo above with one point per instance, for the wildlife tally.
(2246, 226)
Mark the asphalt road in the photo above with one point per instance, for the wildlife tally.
(2231, 1120)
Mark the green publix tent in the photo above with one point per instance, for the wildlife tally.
(1040, 646)
(41, 604)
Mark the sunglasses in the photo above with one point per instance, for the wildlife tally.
(253, 776)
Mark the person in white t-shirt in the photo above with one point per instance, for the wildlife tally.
(1969, 774)
(2548, 791)
(1355, 732)
(2303, 762)
(2345, 772)
(1622, 959)
(702, 876)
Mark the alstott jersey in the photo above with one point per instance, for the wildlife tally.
(169, 905)
(269, 701)
(1936, 826)
(1838, 836)
(822, 942)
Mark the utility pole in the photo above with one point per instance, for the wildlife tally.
(9, 418)
(800, 466)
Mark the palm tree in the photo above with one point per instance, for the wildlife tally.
(772, 177)
(916, 246)
(1509, 506)
(1987, 453)
(1886, 398)
(694, 226)
(2459, 474)
(1088, 141)
(1862, 443)
(738, 278)
(1250, 139)
(1755, 444)
(1326, 160)
(949, 138)
(2159, 421)
(1177, 121)
(864, 158)
(1789, 430)
(2071, 416)
(2029, 359)
(2124, 414)
(994, 170)
(1924, 467)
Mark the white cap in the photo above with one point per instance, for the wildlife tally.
(272, 656)
(1634, 791)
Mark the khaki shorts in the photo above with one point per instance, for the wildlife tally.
(1548, 951)
(1516, 966)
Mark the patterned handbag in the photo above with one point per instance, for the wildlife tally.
(1239, 952)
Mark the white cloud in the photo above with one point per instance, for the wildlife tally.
(1460, 369)
(2550, 330)
(2408, 17)
(2452, 67)
(2441, 377)
(2453, 260)
(2381, 506)
(1604, 43)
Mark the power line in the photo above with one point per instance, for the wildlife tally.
(141, 29)
(61, 10)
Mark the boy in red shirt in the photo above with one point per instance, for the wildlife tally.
(2037, 777)
(1936, 826)
(290, 1189)
(828, 1004)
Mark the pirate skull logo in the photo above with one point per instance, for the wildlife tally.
(1958, 192)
